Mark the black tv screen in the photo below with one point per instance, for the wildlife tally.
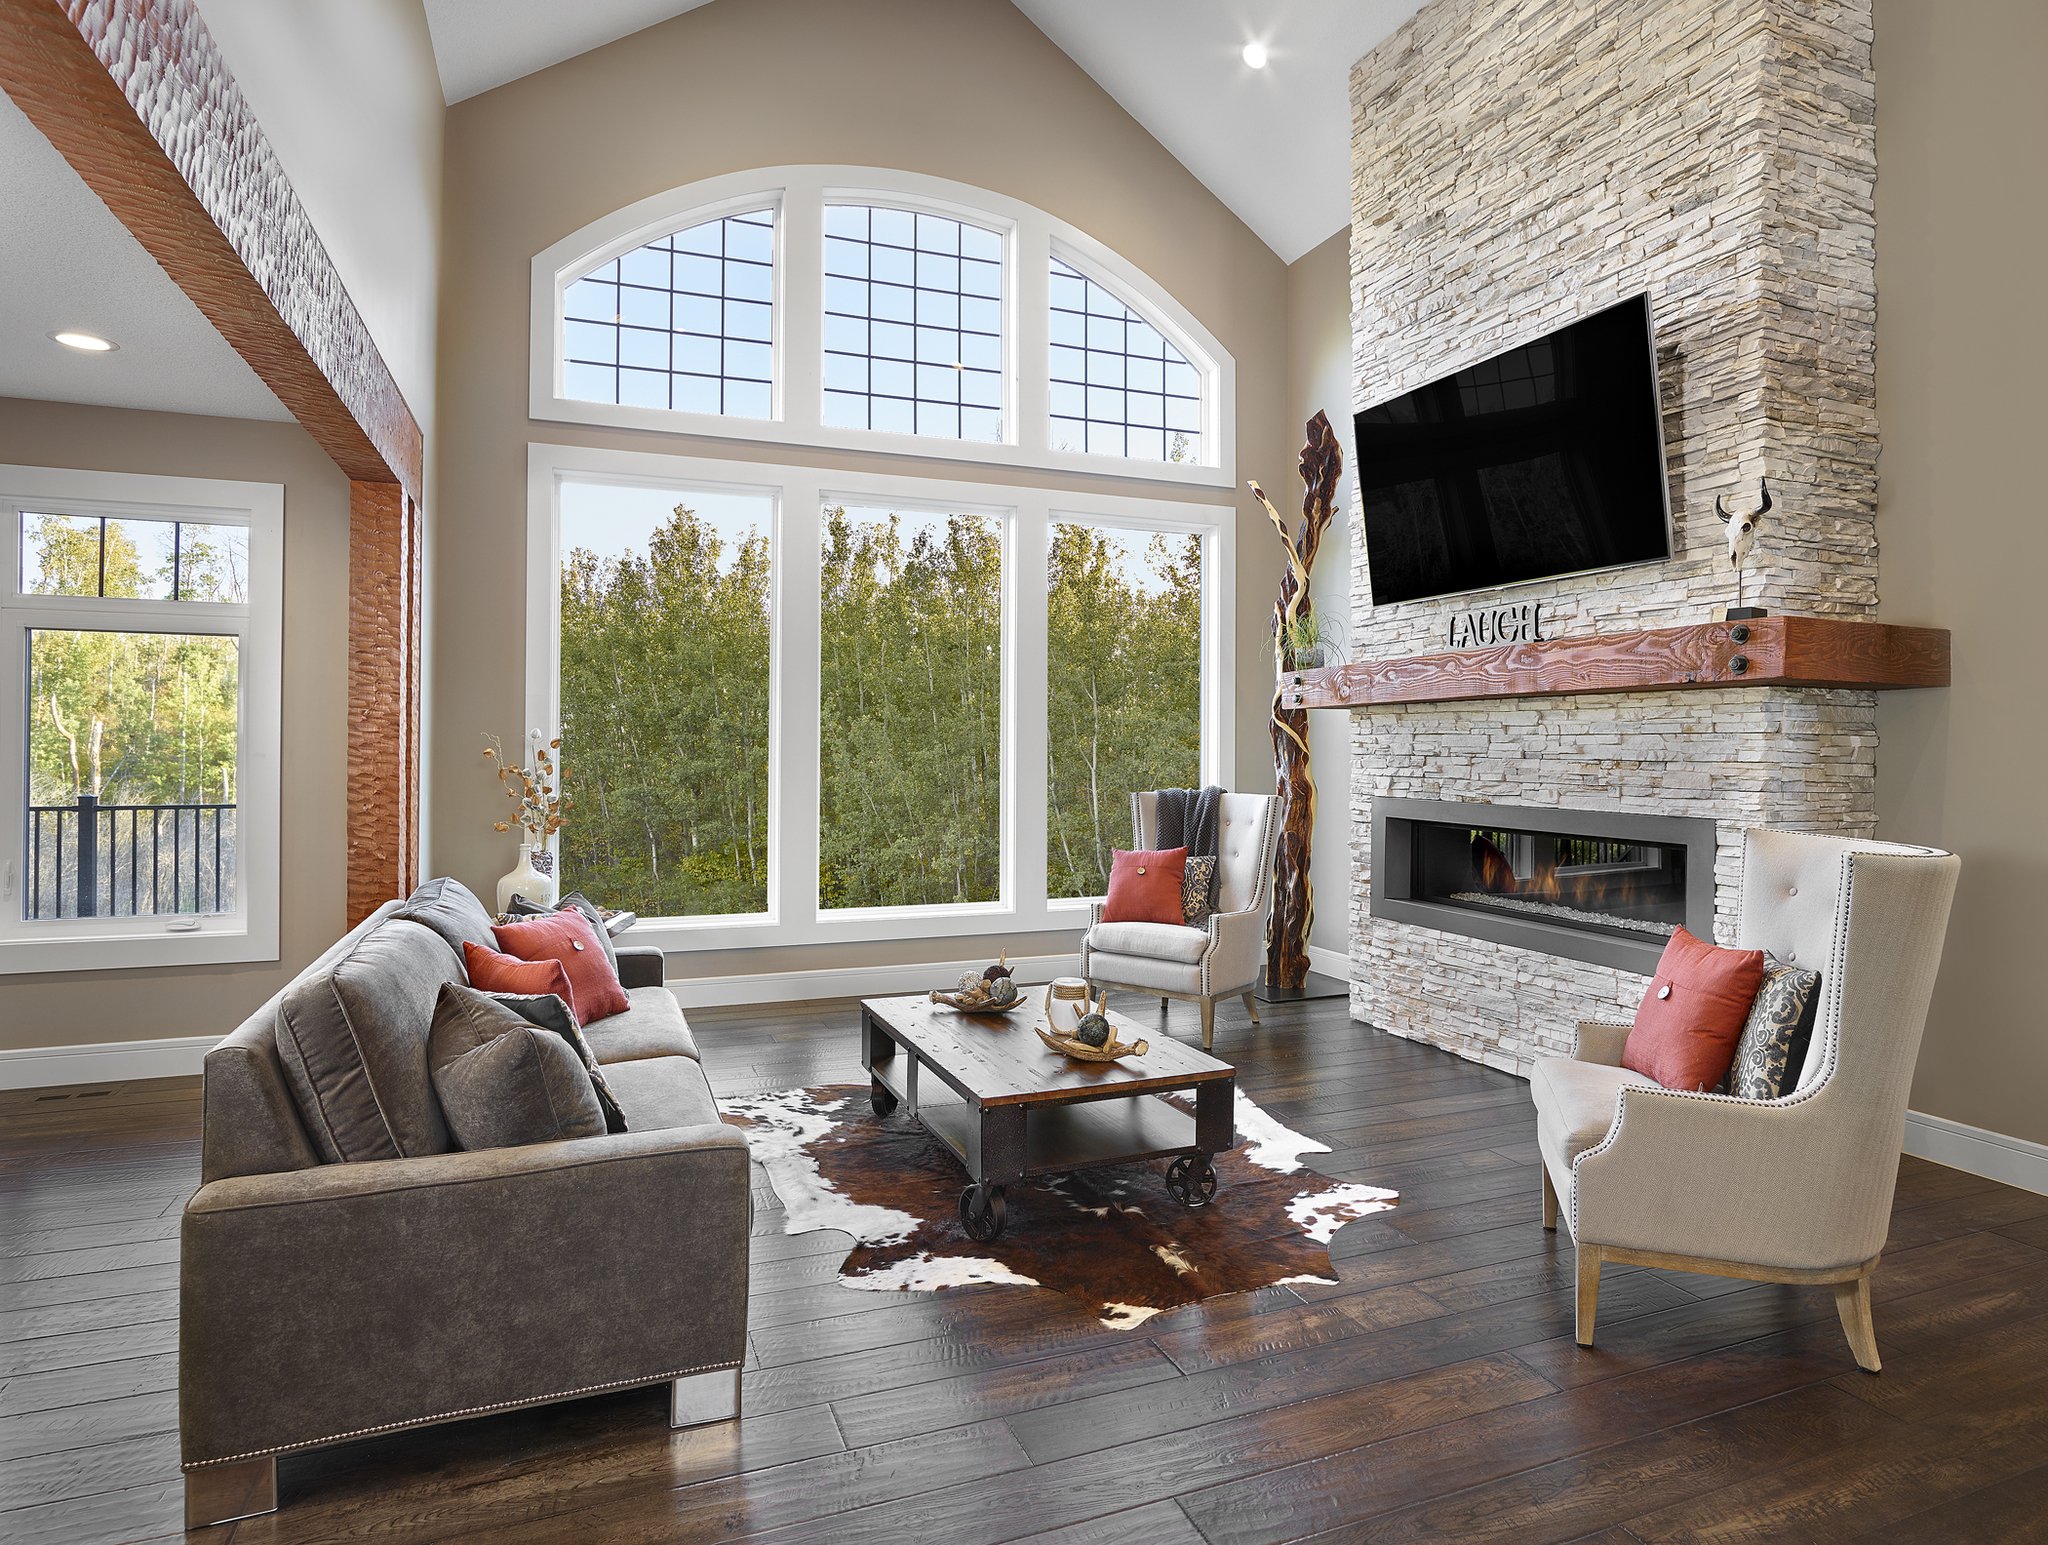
(1545, 460)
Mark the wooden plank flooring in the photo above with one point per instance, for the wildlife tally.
(1433, 1393)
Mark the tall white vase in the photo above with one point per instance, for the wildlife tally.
(526, 881)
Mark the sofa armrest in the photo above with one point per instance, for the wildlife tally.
(1601, 1041)
(1236, 940)
(641, 965)
(322, 1303)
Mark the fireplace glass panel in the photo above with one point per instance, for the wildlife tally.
(1634, 890)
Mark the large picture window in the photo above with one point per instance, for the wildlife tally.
(798, 706)
(139, 706)
(860, 309)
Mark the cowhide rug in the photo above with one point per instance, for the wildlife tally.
(1110, 1237)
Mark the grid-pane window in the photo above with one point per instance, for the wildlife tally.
(665, 689)
(126, 558)
(684, 323)
(1119, 388)
(1123, 688)
(913, 324)
(910, 728)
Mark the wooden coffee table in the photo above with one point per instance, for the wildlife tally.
(1026, 1109)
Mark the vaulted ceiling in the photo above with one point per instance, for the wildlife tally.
(1273, 143)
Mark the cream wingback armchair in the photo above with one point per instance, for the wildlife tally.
(1197, 965)
(1796, 1189)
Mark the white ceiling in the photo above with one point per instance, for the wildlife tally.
(1273, 144)
(66, 262)
(479, 44)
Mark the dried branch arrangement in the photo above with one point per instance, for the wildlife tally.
(535, 790)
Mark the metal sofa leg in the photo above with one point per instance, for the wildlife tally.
(1549, 1199)
(1589, 1294)
(698, 1399)
(218, 1494)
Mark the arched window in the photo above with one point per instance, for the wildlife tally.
(844, 307)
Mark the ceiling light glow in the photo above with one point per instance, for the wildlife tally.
(85, 343)
(1255, 54)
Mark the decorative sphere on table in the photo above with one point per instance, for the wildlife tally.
(1092, 1031)
(1002, 990)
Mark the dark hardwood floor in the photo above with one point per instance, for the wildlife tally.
(1433, 1394)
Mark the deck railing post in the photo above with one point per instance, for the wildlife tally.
(88, 855)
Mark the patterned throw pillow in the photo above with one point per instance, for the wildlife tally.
(1774, 1038)
(1196, 885)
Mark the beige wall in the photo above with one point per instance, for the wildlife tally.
(961, 89)
(1962, 220)
(72, 1008)
(350, 100)
(1319, 377)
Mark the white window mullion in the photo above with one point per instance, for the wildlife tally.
(1033, 249)
(1024, 713)
(794, 803)
(800, 309)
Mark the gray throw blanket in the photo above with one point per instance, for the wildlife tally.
(1188, 818)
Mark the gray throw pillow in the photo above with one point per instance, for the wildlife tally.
(502, 1081)
(575, 901)
(548, 1012)
(1772, 1049)
(1197, 887)
(451, 909)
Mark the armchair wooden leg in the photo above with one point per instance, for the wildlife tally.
(1852, 1302)
(1208, 1024)
(1589, 1294)
(1162, 1005)
(1549, 1200)
(1251, 1007)
(218, 1494)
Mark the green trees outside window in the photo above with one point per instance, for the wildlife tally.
(1124, 678)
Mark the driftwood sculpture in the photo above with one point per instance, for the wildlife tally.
(1322, 462)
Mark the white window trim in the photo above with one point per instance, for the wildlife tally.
(793, 916)
(798, 195)
(250, 932)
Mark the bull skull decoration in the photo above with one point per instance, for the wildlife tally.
(1742, 536)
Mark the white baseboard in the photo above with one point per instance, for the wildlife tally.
(103, 1062)
(1334, 963)
(1993, 1155)
(852, 981)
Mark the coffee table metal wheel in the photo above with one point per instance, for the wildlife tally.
(880, 1098)
(1191, 1180)
(982, 1212)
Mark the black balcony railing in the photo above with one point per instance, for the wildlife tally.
(86, 859)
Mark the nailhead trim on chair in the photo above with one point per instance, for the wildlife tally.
(453, 1416)
(1783, 1102)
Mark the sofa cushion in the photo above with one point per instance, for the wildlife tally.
(551, 1012)
(662, 1092)
(1575, 1105)
(1158, 941)
(567, 936)
(451, 909)
(502, 1081)
(653, 1026)
(353, 1041)
(1693, 1012)
(1144, 971)
(575, 901)
(1775, 1036)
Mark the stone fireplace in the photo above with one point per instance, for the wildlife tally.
(1515, 168)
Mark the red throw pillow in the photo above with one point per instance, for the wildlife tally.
(1144, 887)
(1691, 1018)
(569, 938)
(490, 971)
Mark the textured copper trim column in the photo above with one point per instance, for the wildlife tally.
(135, 96)
(383, 695)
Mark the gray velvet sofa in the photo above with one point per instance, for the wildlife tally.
(321, 1302)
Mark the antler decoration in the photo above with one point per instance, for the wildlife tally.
(1322, 463)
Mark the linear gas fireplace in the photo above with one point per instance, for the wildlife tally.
(1597, 885)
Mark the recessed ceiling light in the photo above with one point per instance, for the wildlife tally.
(1255, 54)
(86, 343)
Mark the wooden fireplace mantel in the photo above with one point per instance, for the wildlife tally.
(1763, 652)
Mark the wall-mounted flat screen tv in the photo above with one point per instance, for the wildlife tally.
(1545, 460)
